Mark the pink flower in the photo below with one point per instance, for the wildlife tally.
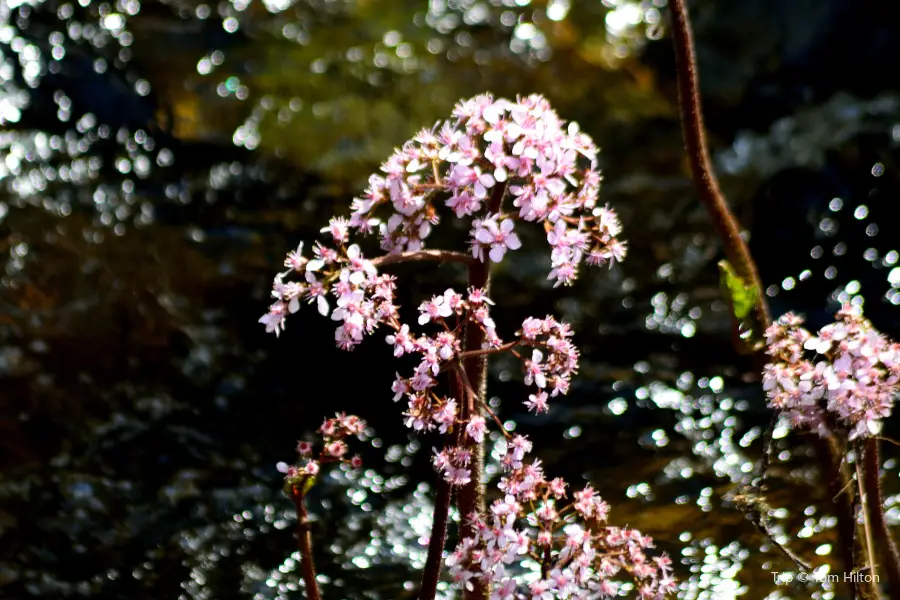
(400, 387)
(537, 402)
(295, 259)
(403, 342)
(446, 345)
(336, 449)
(476, 428)
(463, 203)
(274, 319)
(337, 227)
(445, 416)
(534, 370)
(499, 238)
(435, 309)
(477, 296)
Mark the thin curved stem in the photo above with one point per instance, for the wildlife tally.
(440, 517)
(707, 184)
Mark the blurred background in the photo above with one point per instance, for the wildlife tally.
(159, 158)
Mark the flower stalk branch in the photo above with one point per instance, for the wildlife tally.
(432, 573)
(424, 256)
(837, 479)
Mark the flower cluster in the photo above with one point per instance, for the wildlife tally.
(492, 146)
(552, 363)
(489, 149)
(571, 549)
(851, 381)
(364, 299)
(334, 433)
(450, 311)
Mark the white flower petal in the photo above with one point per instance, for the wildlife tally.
(322, 303)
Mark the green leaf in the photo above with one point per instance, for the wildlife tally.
(303, 483)
(741, 295)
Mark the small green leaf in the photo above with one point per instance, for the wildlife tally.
(741, 295)
(303, 483)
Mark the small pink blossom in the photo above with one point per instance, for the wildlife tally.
(476, 428)
(498, 237)
(435, 309)
(537, 402)
(274, 319)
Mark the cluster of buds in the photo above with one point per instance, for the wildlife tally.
(334, 433)
(846, 375)
(574, 552)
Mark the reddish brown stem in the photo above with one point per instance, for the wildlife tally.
(837, 480)
(487, 351)
(440, 517)
(432, 573)
(705, 180)
(424, 255)
(470, 498)
(304, 543)
(875, 500)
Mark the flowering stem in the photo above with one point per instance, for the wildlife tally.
(545, 563)
(470, 498)
(838, 481)
(872, 487)
(424, 255)
(432, 572)
(867, 523)
(304, 542)
(705, 180)
(487, 351)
